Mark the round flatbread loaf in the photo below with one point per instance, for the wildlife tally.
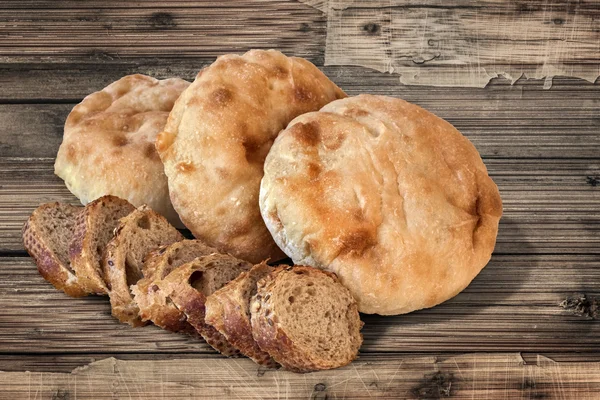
(218, 135)
(388, 196)
(108, 144)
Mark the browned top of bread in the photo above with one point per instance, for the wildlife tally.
(108, 143)
(46, 237)
(388, 196)
(218, 134)
(228, 310)
(306, 319)
(137, 234)
(154, 304)
(94, 228)
(190, 284)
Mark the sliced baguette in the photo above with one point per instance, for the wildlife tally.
(154, 304)
(190, 284)
(94, 228)
(46, 237)
(137, 234)
(305, 319)
(228, 311)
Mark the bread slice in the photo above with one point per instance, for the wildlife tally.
(46, 236)
(137, 234)
(189, 285)
(94, 228)
(228, 310)
(306, 319)
(154, 304)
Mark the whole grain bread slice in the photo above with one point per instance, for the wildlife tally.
(305, 319)
(94, 228)
(190, 284)
(228, 311)
(138, 233)
(154, 304)
(46, 236)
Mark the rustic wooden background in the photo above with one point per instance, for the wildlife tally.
(506, 336)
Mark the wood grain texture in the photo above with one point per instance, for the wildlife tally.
(474, 376)
(92, 31)
(464, 43)
(503, 121)
(550, 206)
(513, 305)
(542, 147)
(65, 363)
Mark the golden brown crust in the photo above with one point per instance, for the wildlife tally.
(228, 311)
(120, 269)
(108, 143)
(388, 196)
(191, 301)
(83, 261)
(272, 336)
(214, 162)
(55, 271)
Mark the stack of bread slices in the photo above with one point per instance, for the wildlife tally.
(297, 317)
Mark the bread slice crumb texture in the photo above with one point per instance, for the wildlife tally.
(153, 302)
(228, 311)
(46, 236)
(306, 319)
(94, 228)
(138, 233)
(189, 285)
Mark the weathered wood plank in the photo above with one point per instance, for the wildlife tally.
(92, 31)
(26, 79)
(65, 363)
(466, 376)
(513, 305)
(550, 206)
(503, 121)
(462, 43)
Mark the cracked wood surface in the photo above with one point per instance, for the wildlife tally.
(464, 43)
(472, 376)
(541, 146)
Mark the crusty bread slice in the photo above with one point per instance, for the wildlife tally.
(94, 228)
(137, 234)
(228, 310)
(46, 237)
(306, 319)
(154, 303)
(189, 285)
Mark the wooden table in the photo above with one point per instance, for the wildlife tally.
(506, 336)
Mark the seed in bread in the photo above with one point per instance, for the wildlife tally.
(108, 143)
(154, 304)
(228, 310)
(306, 319)
(94, 228)
(137, 234)
(388, 196)
(189, 285)
(216, 139)
(46, 237)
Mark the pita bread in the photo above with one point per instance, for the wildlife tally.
(108, 143)
(218, 135)
(388, 196)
